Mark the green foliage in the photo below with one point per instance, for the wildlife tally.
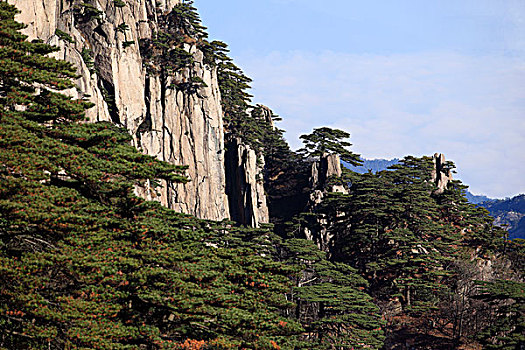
(108, 95)
(165, 54)
(327, 140)
(122, 27)
(119, 3)
(330, 303)
(84, 263)
(401, 235)
(392, 234)
(478, 227)
(414, 245)
(25, 64)
(88, 12)
(127, 43)
(515, 250)
(281, 163)
(507, 329)
(64, 36)
(242, 120)
(185, 17)
(233, 84)
(87, 57)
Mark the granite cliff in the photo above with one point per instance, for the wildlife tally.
(396, 259)
(168, 117)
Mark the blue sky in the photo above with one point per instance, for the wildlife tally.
(403, 77)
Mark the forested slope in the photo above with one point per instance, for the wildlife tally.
(85, 263)
(406, 261)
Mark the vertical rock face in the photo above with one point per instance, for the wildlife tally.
(328, 166)
(245, 185)
(177, 126)
(317, 228)
(440, 174)
(267, 114)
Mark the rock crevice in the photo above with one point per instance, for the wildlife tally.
(245, 187)
(441, 175)
(317, 227)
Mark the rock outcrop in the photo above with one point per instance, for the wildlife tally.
(441, 175)
(266, 114)
(245, 185)
(329, 165)
(317, 228)
(103, 40)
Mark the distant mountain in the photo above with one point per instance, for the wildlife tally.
(373, 165)
(376, 165)
(509, 211)
(477, 199)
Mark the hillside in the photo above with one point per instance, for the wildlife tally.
(373, 165)
(476, 199)
(510, 213)
(146, 202)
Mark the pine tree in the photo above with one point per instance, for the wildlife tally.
(166, 54)
(235, 99)
(84, 263)
(388, 232)
(331, 141)
(507, 328)
(413, 244)
(330, 303)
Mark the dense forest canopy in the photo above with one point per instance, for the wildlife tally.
(86, 264)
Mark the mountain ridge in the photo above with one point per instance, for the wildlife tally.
(379, 261)
(510, 213)
(379, 164)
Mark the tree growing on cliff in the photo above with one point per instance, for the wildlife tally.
(328, 140)
(23, 65)
(166, 53)
(84, 263)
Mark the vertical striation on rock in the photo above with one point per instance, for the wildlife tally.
(440, 174)
(267, 114)
(329, 165)
(175, 125)
(318, 228)
(245, 187)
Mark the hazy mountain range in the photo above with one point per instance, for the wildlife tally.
(374, 165)
(508, 211)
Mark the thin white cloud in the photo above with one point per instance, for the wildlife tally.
(470, 108)
(515, 26)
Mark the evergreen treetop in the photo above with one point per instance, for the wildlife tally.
(84, 263)
(327, 140)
